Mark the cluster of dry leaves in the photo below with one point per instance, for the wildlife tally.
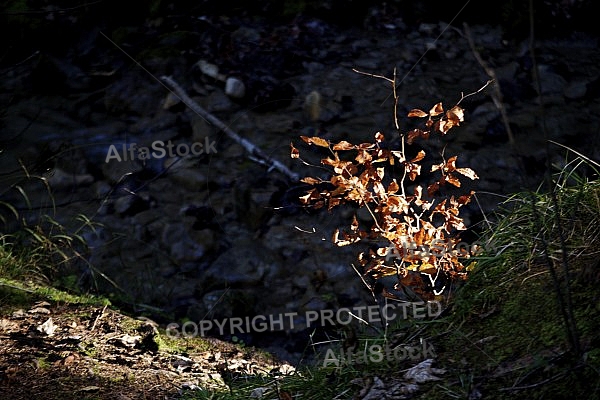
(403, 222)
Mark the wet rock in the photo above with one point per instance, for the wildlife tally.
(191, 179)
(268, 94)
(220, 305)
(183, 247)
(132, 95)
(204, 216)
(186, 250)
(576, 90)
(217, 101)
(158, 122)
(550, 81)
(245, 34)
(132, 204)
(245, 265)
(208, 69)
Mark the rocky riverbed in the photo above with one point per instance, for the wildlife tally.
(220, 235)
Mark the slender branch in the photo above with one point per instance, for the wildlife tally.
(255, 152)
(373, 75)
(463, 96)
(497, 96)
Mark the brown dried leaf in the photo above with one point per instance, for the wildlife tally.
(456, 114)
(294, 153)
(420, 155)
(393, 187)
(412, 170)
(340, 166)
(315, 140)
(379, 137)
(382, 251)
(343, 145)
(347, 240)
(465, 199)
(427, 268)
(452, 180)
(380, 271)
(312, 194)
(333, 202)
(436, 110)
(451, 164)
(363, 156)
(433, 189)
(415, 134)
(310, 180)
(366, 146)
(399, 155)
(354, 226)
(415, 112)
(468, 172)
(444, 126)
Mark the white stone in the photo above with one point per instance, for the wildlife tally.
(235, 88)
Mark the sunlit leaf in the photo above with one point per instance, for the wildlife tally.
(383, 251)
(354, 226)
(413, 267)
(414, 134)
(456, 114)
(436, 110)
(465, 199)
(433, 189)
(399, 155)
(427, 268)
(471, 266)
(468, 172)
(343, 145)
(420, 155)
(363, 156)
(294, 153)
(310, 181)
(452, 180)
(315, 140)
(415, 112)
(393, 187)
(412, 170)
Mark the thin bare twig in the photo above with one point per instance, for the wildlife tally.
(463, 96)
(256, 153)
(497, 96)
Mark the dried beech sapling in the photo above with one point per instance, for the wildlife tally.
(414, 234)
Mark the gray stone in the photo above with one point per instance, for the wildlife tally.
(576, 90)
(247, 264)
(550, 81)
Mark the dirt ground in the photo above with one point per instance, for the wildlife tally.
(70, 351)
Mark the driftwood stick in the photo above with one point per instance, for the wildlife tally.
(256, 154)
